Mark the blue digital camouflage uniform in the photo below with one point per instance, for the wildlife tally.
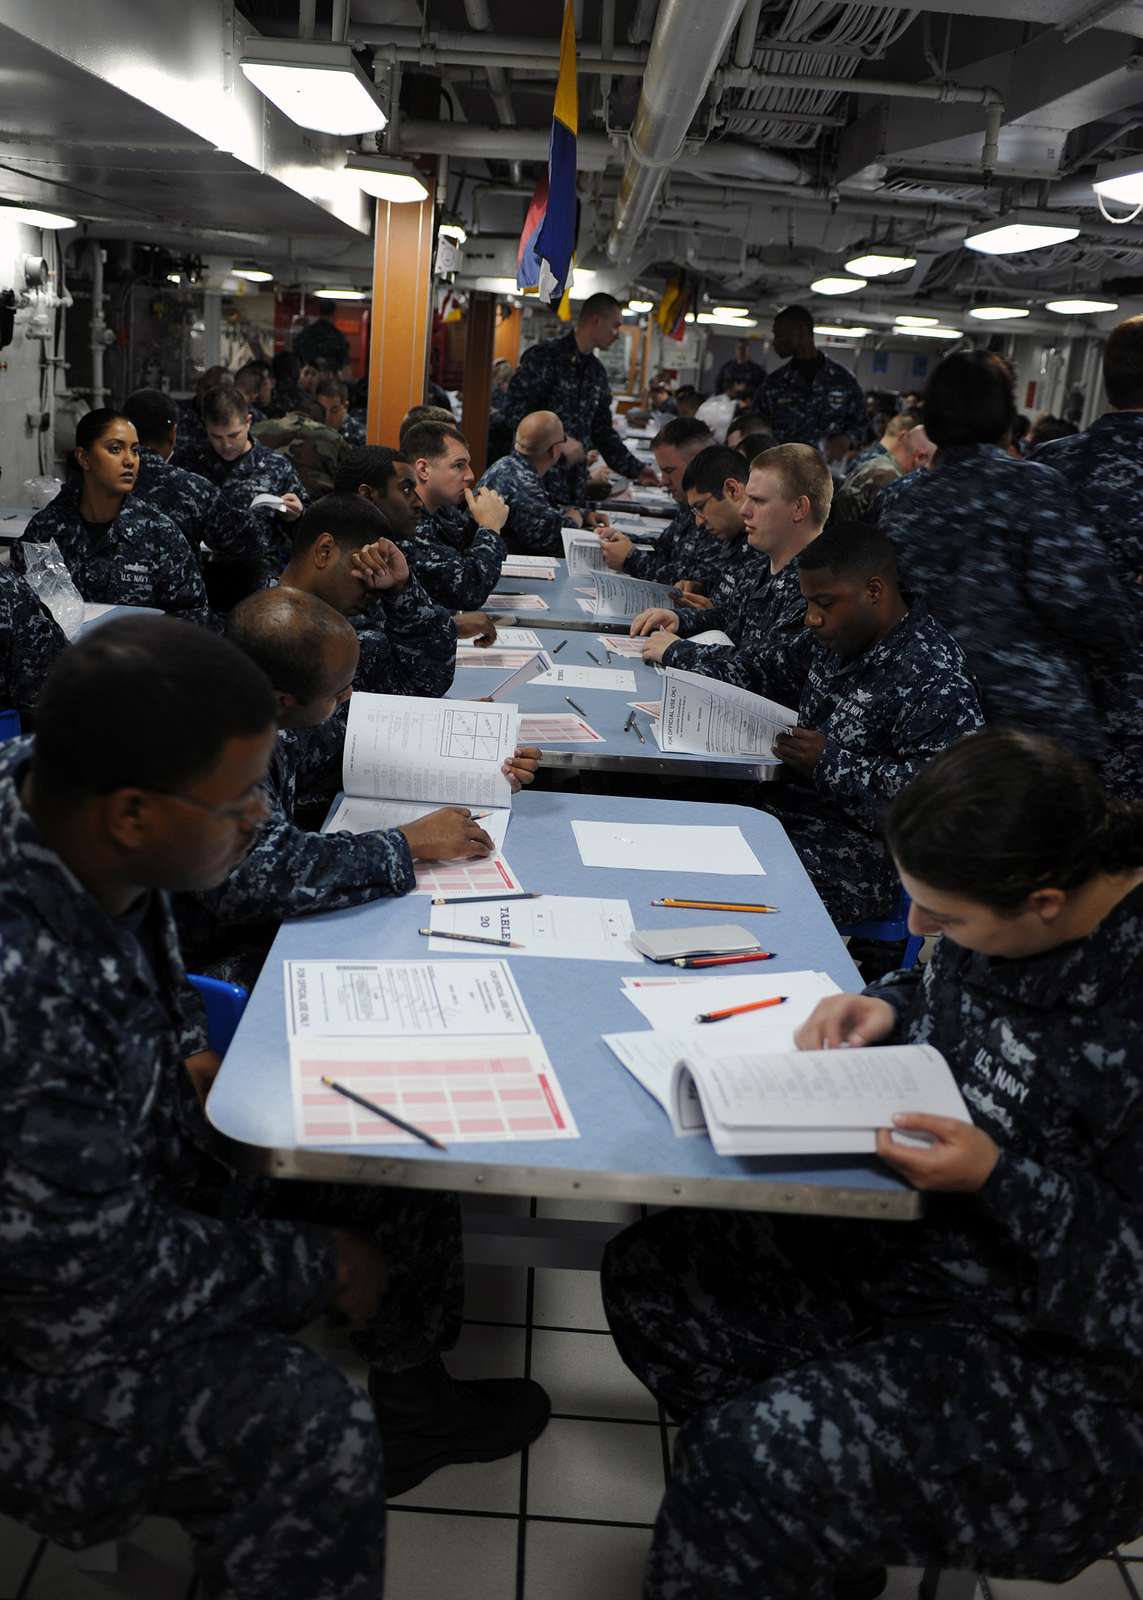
(1009, 563)
(871, 452)
(555, 376)
(352, 430)
(457, 561)
(534, 520)
(1104, 468)
(289, 871)
(30, 640)
(754, 607)
(682, 550)
(139, 559)
(259, 471)
(854, 499)
(148, 1296)
(807, 413)
(201, 513)
(963, 1391)
(191, 441)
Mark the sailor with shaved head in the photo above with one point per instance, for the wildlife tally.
(534, 517)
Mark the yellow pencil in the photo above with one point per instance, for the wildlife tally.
(713, 905)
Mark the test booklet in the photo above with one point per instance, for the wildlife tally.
(668, 848)
(402, 747)
(701, 716)
(472, 875)
(571, 677)
(582, 551)
(616, 595)
(567, 926)
(799, 1102)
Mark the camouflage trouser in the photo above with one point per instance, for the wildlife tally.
(265, 1453)
(850, 870)
(824, 1440)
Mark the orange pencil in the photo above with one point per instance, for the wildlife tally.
(736, 1011)
(715, 905)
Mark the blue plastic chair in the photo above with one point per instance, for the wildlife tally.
(10, 727)
(225, 1003)
(891, 930)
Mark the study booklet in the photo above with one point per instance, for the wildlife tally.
(400, 747)
(798, 1102)
(582, 551)
(615, 595)
(701, 716)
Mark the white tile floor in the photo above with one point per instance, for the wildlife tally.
(573, 1520)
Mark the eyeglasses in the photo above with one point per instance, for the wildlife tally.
(256, 798)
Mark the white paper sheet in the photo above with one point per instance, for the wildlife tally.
(557, 727)
(366, 816)
(462, 1091)
(621, 644)
(565, 926)
(712, 636)
(672, 1007)
(506, 639)
(631, 523)
(704, 717)
(668, 848)
(514, 602)
(616, 595)
(402, 999)
(401, 747)
(587, 605)
(534, 563)
(513, 568)
(582, 551)
(571, 677)
(532, 668)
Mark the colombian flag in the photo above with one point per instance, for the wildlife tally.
(544, 259)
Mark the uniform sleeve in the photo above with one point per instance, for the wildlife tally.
(413, 651)
(534, 523)
(231, 529)
(460, 580)
(527, 389)
(32, 639)
(607, 441)
(853, 419)
(718, 661)
(777, 671)
(656, 564)
(178, 578)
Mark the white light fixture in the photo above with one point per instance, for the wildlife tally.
(253, 274)
(916, 322)
(34, 217)
(497, 285)
(340, 294)
(690, 317)
(837, 285)
(831, 330)
(879, 266)
(454, 231)
(731, 311)
(933, 333)
(1080, 308)
(1023, 230)
(583, 282)
(712, 319)
(639, 306)
(174, 277)
(997, 313)
(1121, 180)
(318, 85)
(387, 178)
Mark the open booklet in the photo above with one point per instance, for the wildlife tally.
(582, 551)
(700, 716)
(797, 1102)
(615, 595)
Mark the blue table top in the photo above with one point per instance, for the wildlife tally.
(626, 1149)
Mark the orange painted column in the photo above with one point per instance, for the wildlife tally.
(401, 320)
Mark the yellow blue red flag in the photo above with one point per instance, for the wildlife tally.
(547, 243)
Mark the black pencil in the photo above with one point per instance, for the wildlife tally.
(390, 1116)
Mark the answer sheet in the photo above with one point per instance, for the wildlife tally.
(505, 660)
(572, 677)
(402, 999)
(462, 1091)
(478, 875)
(704, 717)
(557, 728)
(621, 644)
(401, 747)
(513, 568)
(566, 926)
(669, 848)
(514, 602)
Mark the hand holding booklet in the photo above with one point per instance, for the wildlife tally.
(704, 717)
(615, 595)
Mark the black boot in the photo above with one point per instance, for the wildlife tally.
(430, 1420)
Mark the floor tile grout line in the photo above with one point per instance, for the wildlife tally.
(620, 1422)
(513, 1516)
(538, 1327)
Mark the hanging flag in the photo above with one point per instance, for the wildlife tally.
(679, 297)
(547, 242)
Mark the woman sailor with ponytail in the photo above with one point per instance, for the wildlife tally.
(965, 1390)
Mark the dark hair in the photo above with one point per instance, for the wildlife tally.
(597, 305)
(751, 421)
(429, 439)
(853, 550)
(799, 314)
(285, 367)
(349, 519)
(708, 471)
(223, 404)
(755, 444)
(373, 464)
(1123, 363)
(969, 400)
(284, 631)
(682, 431)
(94, 424)
(152, 413)
(333, 386)
(1002, 814)
(317, 364)
(143, 702)
(1045, 429)
(423, 413)
(257, 369)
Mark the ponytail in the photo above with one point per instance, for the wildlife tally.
(1002, 814)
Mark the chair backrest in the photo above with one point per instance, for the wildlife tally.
(10, 726)
(890, 930)
(224, 1003)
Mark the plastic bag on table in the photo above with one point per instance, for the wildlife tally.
(40, 492)
(47, 576)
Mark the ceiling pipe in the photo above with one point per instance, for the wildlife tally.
(339, 21)
(606, 46)
(1089, 17)
(439, 47)
(747, 33)
(480, 19)
(686, 48)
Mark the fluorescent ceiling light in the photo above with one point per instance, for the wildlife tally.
(933, 333)
(1081, 308)
(731, 311)
(997, 313)
(340, 294)
(916, 322)
(879, 266)
(1023, 230)
(34, 217)
(318, 85)
(174, 277)
(640, 305)
(583, 282)
(253, 274)
(712, 318)
(387, 178)
(1121, 180)
(497, 285)
(453, 230)
(836, 331)
(690, 317)
(837, 285)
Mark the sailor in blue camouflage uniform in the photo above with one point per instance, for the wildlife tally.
(457, 551)
(1104, 469)
(682, 549)
(565, 375)
(963, 1390)
(786, 502)
(534, 520)
(333, 397)
(149, 1298)
(119, 550)
(1012, 566)
(30, 640)
(811, 399)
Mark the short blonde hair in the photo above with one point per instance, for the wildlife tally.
(801, 470)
